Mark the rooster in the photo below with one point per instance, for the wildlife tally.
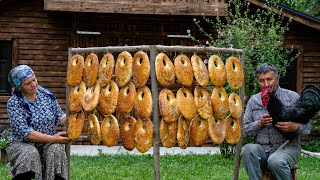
(301, 111)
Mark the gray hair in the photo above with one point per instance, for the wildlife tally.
(267, 67)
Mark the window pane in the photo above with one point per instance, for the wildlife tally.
(5, 66)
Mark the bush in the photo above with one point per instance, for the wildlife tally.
(312, 145)
(260, 34)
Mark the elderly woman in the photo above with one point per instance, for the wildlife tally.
(35, 150)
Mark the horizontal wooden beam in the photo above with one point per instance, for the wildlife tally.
(159, 7)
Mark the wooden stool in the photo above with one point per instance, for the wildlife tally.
(267, 175)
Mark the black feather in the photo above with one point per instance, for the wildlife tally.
(301, 111)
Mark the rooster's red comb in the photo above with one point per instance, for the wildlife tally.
(265, 96)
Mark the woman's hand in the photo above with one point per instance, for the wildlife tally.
(61, 138)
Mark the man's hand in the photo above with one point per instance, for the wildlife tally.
(266, 120)
(288, 126)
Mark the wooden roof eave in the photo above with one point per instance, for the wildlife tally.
(294, 15)
(155, 7)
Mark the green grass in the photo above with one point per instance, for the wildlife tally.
(172, 167)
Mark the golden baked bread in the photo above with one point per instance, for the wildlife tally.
(235, 105)
(220, 102)
(91, 98)
(144, 134)
(127, 131)
(108, 98)
(106, 69)
(91, 70)
(140, 69)
(76, 96)
(183, 70)
(198, 131)
(75, 125)
(168, 133)
(94, 131)
(202, 101)
(123, 68)
(164, 70)
(75, 70)
(200, 70)
(233, 130)
(186, 104)
(126, 98)
(168, 106)
(217, 72)
(234, 71)
(143, 102)
(110, 131)
(217, 129)
(183, 133)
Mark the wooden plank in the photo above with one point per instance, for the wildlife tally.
(209, 8)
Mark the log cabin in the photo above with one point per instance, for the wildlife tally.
(39, 32)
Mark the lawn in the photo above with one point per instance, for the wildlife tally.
(172, 167)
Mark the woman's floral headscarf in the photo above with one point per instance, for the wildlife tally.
(19, 74)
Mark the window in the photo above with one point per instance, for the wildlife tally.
(5, 66)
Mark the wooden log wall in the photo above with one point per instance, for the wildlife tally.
(307, 41)
(42, 39)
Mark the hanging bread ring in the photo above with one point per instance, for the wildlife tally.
(235, 105)
(217, 129)
(91, 69)
(94, 132)
(203, 102)
(234, 72)
(186, 104)
(126, 98)
(141, 69)
(143, 102)
(144, 135)
(183, 70)
(108, 98)
(91, 98)
(106, 69)
(123, 68)
(168, 133)
(183, 133)
(233, 130)
(164, 70)
(217, 72)
(127, 131)
(110, 131)
(75, 125)
(75, 70)
(200, 70)
(76, 96)
(168, 106)
(198, 131)
(220, 103)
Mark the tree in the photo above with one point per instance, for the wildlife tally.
(260, 33)
(310, 7)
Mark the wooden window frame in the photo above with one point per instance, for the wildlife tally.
(14, 55)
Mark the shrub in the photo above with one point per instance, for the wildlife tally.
(260, 34)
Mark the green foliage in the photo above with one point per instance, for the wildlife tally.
(312, 145)
(4, 139)
(316, 122)
(227, 151)
(261, 34)
(310, 7)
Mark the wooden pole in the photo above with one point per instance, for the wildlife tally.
(68, 145)
(156, 122)
(236, 166)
